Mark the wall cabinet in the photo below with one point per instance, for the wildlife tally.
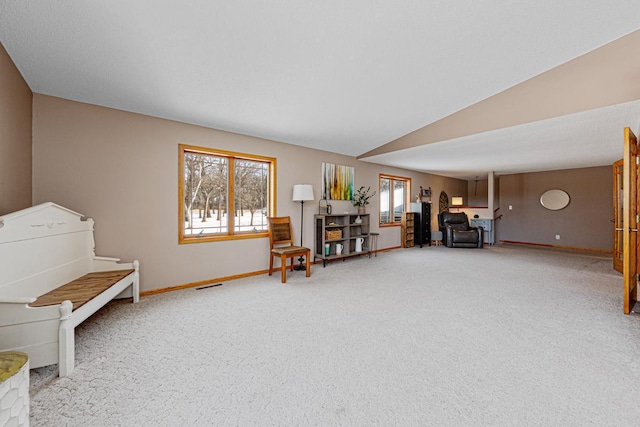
(340, 236)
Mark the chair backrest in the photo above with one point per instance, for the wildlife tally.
(453, 218)
(280, 231)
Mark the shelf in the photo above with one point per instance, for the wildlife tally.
(408, 229)
(333, 256)
(351, 231)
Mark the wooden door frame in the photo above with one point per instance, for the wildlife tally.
(630, 220)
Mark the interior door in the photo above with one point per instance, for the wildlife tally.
(630, 220)
(617, 214)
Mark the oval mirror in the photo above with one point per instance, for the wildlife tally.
(554, 200)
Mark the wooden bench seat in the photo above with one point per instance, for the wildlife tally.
(83, 289)
(51, 281)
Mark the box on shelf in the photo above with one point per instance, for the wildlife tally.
(333, 234)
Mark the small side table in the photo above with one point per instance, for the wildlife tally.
(487, 224)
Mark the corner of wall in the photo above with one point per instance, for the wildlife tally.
(16, 137)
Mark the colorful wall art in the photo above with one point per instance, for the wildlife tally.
(337, 181)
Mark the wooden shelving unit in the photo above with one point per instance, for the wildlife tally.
(409, 220)
(345, 230)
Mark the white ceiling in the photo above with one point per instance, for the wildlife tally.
(342, 76)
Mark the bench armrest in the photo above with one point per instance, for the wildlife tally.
(102, 263)
(17, 300)
(106, 258)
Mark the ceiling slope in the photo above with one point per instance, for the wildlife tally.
(569, 117)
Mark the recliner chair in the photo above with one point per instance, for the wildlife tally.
(457, 233)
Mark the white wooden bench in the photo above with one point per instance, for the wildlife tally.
(51, 281)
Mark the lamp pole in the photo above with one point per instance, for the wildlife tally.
(301, 266)
(302, 193)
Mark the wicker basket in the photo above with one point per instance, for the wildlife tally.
(333, 234)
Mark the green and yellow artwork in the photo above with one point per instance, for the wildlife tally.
(337, 181)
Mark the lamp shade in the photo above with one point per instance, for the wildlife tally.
(456, 201)
(302, 192)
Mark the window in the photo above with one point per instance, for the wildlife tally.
(224, 195)
(394, 192)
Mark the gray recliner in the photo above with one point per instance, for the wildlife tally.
(457, 233)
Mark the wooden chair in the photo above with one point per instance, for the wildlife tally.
(280, 234)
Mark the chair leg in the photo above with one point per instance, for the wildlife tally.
(283, 261)
(308, 263)
(271, 265)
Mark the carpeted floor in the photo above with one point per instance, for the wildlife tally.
(506, 335)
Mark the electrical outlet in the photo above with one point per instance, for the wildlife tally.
(510, 207)
(557, 237)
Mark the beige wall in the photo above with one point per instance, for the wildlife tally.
(121, 169)
(477, 193)
(15, 137)
(584, 223)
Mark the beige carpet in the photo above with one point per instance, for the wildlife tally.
(433, 336)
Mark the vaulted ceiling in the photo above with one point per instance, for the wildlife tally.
(458, 88)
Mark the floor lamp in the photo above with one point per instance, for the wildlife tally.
(302, 193)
